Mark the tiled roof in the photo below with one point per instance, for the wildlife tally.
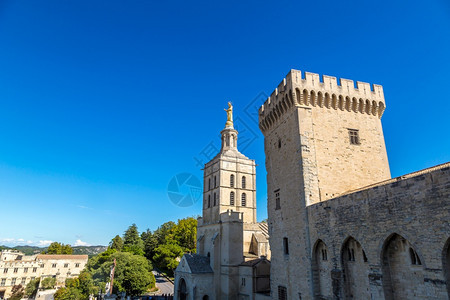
(198, 263)
(61, 256)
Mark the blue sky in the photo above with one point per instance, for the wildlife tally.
(103, 102)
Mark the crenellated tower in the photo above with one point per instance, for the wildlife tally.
(322, 138)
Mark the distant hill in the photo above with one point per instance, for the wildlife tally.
(31, 250)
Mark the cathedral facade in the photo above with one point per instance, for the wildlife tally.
(340, 227)
(232, 259)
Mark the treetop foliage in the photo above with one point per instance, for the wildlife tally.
(58, 248)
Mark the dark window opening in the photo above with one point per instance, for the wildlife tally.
(282, 293)
(277, 200)
(354, 136)
(286, 245)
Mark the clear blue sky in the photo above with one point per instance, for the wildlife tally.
(103, 102)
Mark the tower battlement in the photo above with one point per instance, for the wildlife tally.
(327, 92)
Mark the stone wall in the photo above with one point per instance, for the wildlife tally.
(398, 231)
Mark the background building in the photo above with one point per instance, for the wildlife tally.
(17, 268)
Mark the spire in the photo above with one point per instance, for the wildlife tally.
(229, 134)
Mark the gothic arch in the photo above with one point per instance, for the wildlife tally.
(446, 265)
(322, 267)
(355, 270)
(182, 290)
(400, 260)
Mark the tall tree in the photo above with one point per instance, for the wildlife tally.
(163, 231)
(150, 243)
(132, 242)
(116, 243)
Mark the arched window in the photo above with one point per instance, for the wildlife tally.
(215, 181)
(214, 199)
(231, 180)
(232, 198)
(244, 200)
(209, 184)
(243, 182)
(209, 201)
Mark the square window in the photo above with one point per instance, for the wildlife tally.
(25, 270)
(77, 265)
(53, 265)
(354, 136)
(15, 270)
(66, 265)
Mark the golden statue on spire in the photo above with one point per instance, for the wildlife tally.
(229, 123)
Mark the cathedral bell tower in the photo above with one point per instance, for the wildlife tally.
(229, 179)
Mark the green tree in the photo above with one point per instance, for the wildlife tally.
(17, 292)
(48, 283)
(116, 243)
(54, 248)
(163, 231)
(68, 293)
(150, 243)
(184, 234)
(132, 242)
(66, 249)
(166, 256)
(58, 248)
(32, 287)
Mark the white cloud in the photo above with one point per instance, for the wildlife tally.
(14, 242)
(44, 243)
(81, 243)
(7, 240)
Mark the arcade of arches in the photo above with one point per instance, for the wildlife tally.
(401, 264)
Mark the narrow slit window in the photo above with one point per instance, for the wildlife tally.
(231, 180)
(286, 245)
(244, 199)
(232, 198)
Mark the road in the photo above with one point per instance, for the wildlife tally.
(164, 285)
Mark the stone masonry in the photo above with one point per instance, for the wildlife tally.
(339, 226)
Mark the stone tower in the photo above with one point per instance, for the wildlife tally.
(323, 138)
(229, 182)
